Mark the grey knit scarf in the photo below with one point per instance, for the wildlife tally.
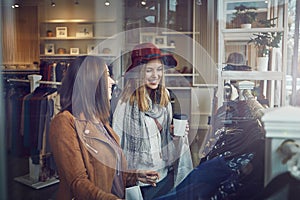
(135, 137)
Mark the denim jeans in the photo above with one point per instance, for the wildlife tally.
(202, 182)
(162, 187)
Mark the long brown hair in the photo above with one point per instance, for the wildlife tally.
(85, 88)
(136, 90)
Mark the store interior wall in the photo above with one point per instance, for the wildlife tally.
(2, 133)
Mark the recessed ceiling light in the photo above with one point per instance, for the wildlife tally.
(106, 3)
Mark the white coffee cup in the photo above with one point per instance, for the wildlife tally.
(133, 193)
(179, 122)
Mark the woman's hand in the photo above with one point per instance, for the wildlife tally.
(148, 176)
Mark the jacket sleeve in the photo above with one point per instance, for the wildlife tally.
(131, 178)
(68, 157)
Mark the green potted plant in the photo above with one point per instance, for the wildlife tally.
(244, 16)
(265, 42)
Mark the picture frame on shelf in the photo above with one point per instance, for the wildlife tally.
(84, 30)
(160, 40)
(61, 32)
(49, 49)
(91, 49)
(147, 37)
(74, 51)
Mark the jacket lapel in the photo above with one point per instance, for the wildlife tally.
(89, 129)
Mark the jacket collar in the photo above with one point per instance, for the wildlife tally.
(95, 130)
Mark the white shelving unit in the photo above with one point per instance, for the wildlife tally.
(251, 75)
(234, 39)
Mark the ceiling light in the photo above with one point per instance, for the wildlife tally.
(52, 3)
(76, 2)
(16, 5)
(106, 3)
(143, 2)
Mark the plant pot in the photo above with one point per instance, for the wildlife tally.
(245, 25)
(262, 63)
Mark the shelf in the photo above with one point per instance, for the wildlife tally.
(76, 38)
(20, 70)
(251, 30)
(179, 88)
(179, 75)
(251, 75)
(56, 21)
(61, 55)
(71, 55)
(16, 63)
(16, 71)
(245, 34)
(166, 47)
(179, 33)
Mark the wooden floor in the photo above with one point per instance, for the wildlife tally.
(18, 166)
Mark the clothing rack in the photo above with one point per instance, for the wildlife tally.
(32, 179)
(34, 80)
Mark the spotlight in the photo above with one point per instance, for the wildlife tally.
(199, 2)
(106, 3)
(53, 3)
(16, 5)
(143, 2)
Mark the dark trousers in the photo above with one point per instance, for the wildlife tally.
(162, 187)
(202, 182)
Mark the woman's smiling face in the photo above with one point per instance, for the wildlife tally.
(153, 73)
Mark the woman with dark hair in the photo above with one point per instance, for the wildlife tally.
(143, 117)
(89, 160)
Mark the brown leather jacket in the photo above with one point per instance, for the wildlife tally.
(81, 175)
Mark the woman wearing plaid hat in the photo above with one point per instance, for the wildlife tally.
(143, 119)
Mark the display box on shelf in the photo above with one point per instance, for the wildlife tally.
(84, 30)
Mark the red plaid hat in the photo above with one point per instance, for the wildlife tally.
(143, 53)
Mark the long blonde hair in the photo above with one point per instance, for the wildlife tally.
(136, 90)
